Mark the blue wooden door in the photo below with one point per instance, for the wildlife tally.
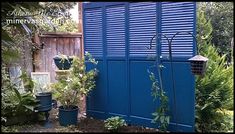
(118, 35)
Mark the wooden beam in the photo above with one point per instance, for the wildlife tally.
(61, 34)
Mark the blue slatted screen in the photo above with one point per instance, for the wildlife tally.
(115, 31)
(142, 27)
(93, 32)
(177, 17)
(120, 34)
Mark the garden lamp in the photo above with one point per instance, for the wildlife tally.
(198, 64)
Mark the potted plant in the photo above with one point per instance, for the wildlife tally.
(68, 90)
(63, 62)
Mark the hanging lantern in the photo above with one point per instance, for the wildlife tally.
(198, 64)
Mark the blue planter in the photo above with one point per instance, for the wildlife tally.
(45, 101)
(63, 65)
(68, 116)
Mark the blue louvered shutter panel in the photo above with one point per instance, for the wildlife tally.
(118, 34)
(177, 17)
(142, 27)
(93, 33)
(115, 31)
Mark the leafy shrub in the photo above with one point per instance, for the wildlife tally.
(214, 91)
(78, 82)
(15, 105)
(114, 123)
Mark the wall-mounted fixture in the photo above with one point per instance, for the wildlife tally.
(198, 64)
(42, 45)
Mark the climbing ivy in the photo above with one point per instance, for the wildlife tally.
(160, 115)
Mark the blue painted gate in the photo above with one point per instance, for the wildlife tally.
(118, 35)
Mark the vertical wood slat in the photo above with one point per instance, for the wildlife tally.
(42, 65)
(77, 47)
(60, 46)
(36, 59)
(49, 55)
(71, 46)
(53, 53)
(42, 59)
(68, 47)
(81, 48)
(68, 44)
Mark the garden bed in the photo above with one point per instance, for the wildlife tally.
(85, 125)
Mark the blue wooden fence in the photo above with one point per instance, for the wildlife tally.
(118, 35)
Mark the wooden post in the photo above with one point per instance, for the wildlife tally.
(83, 98)
(80, 17)
(81, 27)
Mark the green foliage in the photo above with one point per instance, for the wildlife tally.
(9, 128)
(37, 16)
(78, 82)
(13, 10)
(204, 28)
(15, 128)
(28, 82)
(69, 26)
(214, 91)
(10, 54)
(221, 16)
(13, 33)
(160, 115)
(59, 17)
(60, 7)
(14, 103)
(114, 123)
(60, 25)
(12, 47)
(63, 58)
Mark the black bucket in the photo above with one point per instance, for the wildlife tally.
(45, 100)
